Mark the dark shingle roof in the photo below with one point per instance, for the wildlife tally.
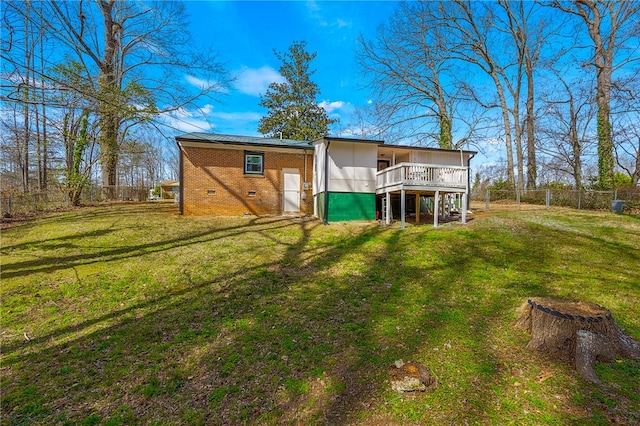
(243, 140)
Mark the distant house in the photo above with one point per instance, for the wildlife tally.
(334, 179)
(169, 189)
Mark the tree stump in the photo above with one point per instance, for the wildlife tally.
(580, 332)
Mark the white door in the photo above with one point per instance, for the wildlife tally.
(291, 190)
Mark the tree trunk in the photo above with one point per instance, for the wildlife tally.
(605, 148)
(446, 137)
(635, 177)
(108, 154)
(576, 146)
(27, 93)
(44, 144)
(604, 70)
(580, 332)
(507, 129)
(532, 172)
(519, 150)
(108, 105)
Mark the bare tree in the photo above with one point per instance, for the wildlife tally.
(474, 41)
(626, 125)
(566, 120)
(74, 128)
(628, 151)
(529, 37)
(135, 57)
(23, 34)
(423, 64)
(612, 26)
(12, 164)
(412, 75)
(26, 93)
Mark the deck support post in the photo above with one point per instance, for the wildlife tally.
(464, 208)
(417, 208)
(436, 208)
(387, 213)
(402, 208)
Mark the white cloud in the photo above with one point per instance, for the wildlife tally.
(314, 12)
(237, 116)
(331, 106)
(185, 120)
(187, 124)
(342, 23)
(197, 82)
(205, 84)
(256, 81)
(207, 109)
(207, 118)
(317, 14)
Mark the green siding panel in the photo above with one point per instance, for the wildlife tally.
(351, 206)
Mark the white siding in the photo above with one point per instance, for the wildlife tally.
(439, 157)
(352, 167)
(318, 167)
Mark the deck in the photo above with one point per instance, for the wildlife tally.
(422, 177)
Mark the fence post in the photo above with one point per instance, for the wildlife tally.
(518, 198)
(486, 200)
(548, 198)
(10, 202)
(579, 199)
(615, 194)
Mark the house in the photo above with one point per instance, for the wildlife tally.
(334, 179)
(169, 189)
(231, 175)
(367, 179)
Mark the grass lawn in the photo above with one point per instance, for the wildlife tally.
(131, 314)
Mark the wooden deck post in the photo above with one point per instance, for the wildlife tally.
(387, 212)
(464, 208)
(402, 208)
(417, 208)
(436, 208)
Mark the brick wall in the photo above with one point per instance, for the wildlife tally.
(214, 182)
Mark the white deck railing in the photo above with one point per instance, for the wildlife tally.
(422, 175)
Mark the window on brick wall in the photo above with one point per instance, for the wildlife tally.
(253, 163)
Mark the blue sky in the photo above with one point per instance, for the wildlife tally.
(246, 33)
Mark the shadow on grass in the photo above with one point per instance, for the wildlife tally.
(48, 264)
(303, 338)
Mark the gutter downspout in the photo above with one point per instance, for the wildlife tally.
(180, 180)
(305, 165)
(469, 180)
(326, 183)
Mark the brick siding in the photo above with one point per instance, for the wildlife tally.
(214, 182)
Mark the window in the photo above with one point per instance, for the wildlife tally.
(383, 164)
(253, 163)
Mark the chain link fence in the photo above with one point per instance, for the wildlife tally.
(545, 198)
(16, 204)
